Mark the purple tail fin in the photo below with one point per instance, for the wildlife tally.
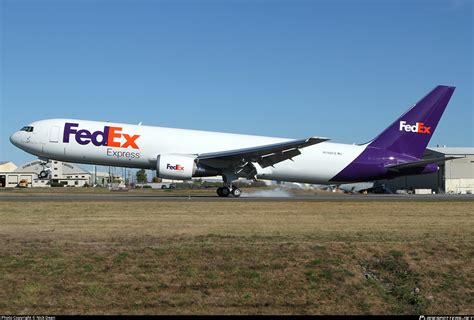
(411, 133)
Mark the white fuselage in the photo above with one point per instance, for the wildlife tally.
(138, 146)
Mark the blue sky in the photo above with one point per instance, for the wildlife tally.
(340, 69)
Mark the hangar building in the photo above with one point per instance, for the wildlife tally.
(454, 176)
(64, 173)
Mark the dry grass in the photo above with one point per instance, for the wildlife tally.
(157, 257)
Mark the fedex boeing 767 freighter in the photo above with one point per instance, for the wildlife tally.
(182, 154)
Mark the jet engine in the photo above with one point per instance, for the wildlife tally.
(181, 167)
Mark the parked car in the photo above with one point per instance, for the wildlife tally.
(23, 183)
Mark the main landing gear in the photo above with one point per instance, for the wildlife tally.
(229, 188)
(226, 191)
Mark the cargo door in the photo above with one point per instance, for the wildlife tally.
(53, 149)
(54, 134)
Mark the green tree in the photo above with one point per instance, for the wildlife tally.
(141, 176)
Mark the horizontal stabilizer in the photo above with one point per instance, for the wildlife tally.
(421, 163)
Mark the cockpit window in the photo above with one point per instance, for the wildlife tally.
(27, 129)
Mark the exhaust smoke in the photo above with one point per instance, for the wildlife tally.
(273, 193)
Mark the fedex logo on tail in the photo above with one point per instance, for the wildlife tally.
(418, 127)
(110, 136)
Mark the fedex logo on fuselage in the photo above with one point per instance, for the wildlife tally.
(110, 136)
(418, 127)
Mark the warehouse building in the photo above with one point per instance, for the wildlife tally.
(40, 174)
(454, 176)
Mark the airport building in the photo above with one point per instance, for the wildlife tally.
(37, 174)
(454, 176)
(103, 179)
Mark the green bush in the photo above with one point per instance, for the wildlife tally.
(58, 184)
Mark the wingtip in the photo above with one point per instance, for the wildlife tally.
(317, 139)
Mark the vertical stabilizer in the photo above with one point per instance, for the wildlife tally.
(411, 133)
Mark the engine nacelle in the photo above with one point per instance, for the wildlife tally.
(175, 167)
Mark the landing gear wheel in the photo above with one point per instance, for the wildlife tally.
(225, 192)
(43, 174)
(236, 192)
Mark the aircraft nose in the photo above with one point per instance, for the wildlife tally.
(15, 139)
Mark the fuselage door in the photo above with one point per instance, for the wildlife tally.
(54, 134)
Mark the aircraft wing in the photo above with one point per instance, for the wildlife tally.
(264, 155)
(416, 164)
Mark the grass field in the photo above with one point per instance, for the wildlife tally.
(155, 257)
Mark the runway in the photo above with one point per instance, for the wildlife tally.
(126, 197)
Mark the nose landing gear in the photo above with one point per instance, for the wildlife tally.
(43, 174)
(46, 171)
